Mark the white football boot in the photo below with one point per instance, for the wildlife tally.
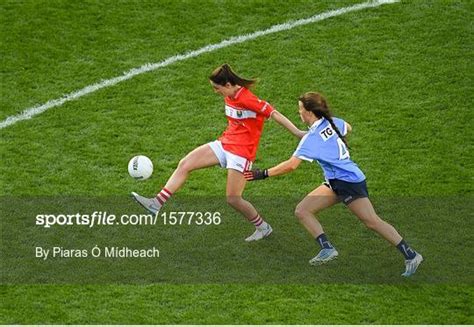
(150, 204)
(325, 255)
(260, 232)
(412, 265)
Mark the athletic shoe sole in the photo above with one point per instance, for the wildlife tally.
(266, 235)
(134, 195)
(322, 262)
(416, 268)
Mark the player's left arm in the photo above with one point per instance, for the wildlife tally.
(285, 122)
(280, 169)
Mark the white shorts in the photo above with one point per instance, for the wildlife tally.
(229, 160)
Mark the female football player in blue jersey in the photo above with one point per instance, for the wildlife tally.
(325, 142)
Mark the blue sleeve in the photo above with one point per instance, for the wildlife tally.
(304, 151)
(341, 125)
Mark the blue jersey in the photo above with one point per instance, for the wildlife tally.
(322, 144)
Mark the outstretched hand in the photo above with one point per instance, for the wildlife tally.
(255, 174)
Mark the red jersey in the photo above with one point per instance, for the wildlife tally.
(246, 115)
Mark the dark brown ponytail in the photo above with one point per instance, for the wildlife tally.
(224, 74)
(316, 103)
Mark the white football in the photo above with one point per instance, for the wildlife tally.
(140, 167)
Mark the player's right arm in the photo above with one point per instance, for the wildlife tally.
(285, 167)
(280, 169)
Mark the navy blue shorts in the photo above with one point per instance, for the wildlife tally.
(348, 192)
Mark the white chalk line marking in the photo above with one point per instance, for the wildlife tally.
(36, 110)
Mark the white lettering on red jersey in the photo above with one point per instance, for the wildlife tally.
(239, 113)
(246, 115)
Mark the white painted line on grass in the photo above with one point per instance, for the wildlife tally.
(33, 111)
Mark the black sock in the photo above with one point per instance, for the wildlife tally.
(406, 250)
(323, 242)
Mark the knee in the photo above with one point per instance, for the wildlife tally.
(301, 212)
(372, 223)
(234, 201)
(185, 165)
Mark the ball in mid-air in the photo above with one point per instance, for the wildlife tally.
(140, 167)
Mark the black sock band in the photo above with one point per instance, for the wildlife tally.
(406, 250)
(323, 242)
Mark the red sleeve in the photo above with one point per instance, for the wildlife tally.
(251, 102)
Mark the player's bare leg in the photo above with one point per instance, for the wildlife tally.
(364, 210)
(201, 157)
(235, 187)
(319, 199)
(234, 190)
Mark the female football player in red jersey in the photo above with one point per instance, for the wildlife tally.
(235, 150)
